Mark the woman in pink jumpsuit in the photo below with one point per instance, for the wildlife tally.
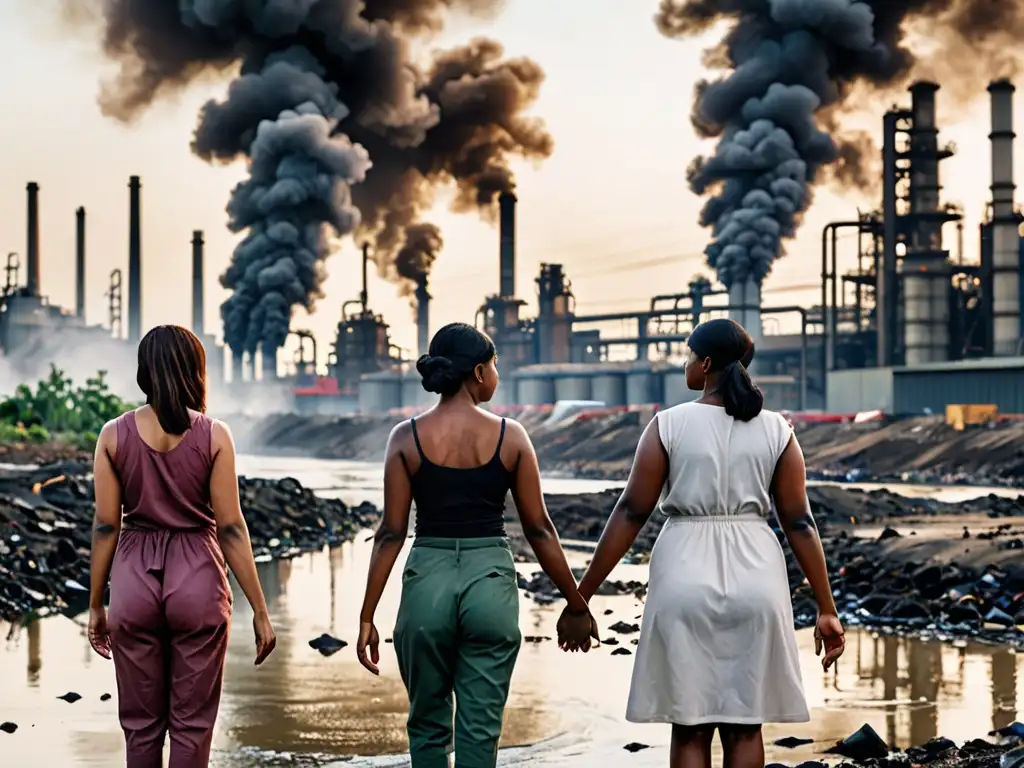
(167, 519)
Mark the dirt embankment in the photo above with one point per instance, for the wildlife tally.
(911, 450)
(601, 445)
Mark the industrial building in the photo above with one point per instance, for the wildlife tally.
(913, 328)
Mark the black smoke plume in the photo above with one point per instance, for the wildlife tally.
(794, 67)
(338, 123)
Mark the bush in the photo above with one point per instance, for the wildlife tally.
(56, 406)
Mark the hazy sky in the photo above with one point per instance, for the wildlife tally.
(611, 204)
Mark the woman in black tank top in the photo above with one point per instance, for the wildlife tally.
(457, 630)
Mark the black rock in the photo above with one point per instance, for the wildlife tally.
(610, 641)
(931, 751)
(622, 652)
(623, 628)
(8, 727)
(792, 742)
(105, 697)
(534, 639)
(864, 744)
(636, 746)
(70, 697)
(889, 533)
(327, 645)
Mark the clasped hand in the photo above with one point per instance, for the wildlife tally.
(577, 631)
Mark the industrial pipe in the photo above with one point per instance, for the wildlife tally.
(80, 263)
(134, 260)
(11, 270)
(32, 281)
(829, 324)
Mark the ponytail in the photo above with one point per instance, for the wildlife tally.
(742, 398)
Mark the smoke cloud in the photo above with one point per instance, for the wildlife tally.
(340, 127)
(794, 67)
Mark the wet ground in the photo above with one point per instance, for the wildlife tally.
(569, 707)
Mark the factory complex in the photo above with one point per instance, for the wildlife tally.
(913, 328)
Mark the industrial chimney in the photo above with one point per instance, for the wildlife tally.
(197, 283)
(32, 241)
(926, 268)
(80, 263)
(422, 315)
(134, 260)
(745, 297)
(507, 253)
(1005, 301)
(268, 358)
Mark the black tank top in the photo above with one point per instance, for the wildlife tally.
(460, 503)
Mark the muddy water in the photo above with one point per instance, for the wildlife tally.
(567, 709)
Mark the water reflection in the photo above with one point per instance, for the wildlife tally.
(909, 690)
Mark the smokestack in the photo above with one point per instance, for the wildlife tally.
(32, 284)
(1006, 309)
(363, 295)
(746, 295)
(422, 315)
(236, 367)
(197, 283)
(134, 260)
(80, 263)
(507, 253)
(925, 266)
(268, 359)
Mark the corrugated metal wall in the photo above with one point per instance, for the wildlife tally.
(860, 389)
(914, 391)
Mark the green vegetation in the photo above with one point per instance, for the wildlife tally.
(58, 411)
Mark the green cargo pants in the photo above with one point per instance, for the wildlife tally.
(457, 631)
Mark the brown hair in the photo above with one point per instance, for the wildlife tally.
(172, 375)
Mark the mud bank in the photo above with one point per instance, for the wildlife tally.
(959, 584)
(601, 446)
(46, 527)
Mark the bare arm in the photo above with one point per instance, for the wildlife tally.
(633, 509)
(107, 519)
(394, 525)
(537, 526)
(789, 490)
(232, 532)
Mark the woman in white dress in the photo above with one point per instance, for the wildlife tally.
(717, 648)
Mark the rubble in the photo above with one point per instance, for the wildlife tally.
(46, 528)
(944, 587)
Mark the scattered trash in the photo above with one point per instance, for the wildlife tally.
(863, 744)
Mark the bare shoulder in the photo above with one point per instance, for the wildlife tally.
(107, 438)
(220, 435)
(516, 434)
(401, 434)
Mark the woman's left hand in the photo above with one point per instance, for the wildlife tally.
(576, 630)
(368, 639)
(99, 635)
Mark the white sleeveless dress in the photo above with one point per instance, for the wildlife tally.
(717, 644)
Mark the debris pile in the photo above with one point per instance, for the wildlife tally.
(964, 585)
(46, 529)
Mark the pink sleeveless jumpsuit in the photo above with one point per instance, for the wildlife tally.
(170, 601)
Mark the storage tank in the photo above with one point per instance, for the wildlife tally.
(610, 388)
(643, 386)
(380, 392)
(535, 389)
(573, 385)
(676, 391)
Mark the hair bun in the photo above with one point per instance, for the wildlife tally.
(439, 374)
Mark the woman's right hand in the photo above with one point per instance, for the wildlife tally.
(576, 631)
(266, 640)
(829, 636)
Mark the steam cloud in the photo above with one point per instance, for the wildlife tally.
(339, 125)
(794, 66)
